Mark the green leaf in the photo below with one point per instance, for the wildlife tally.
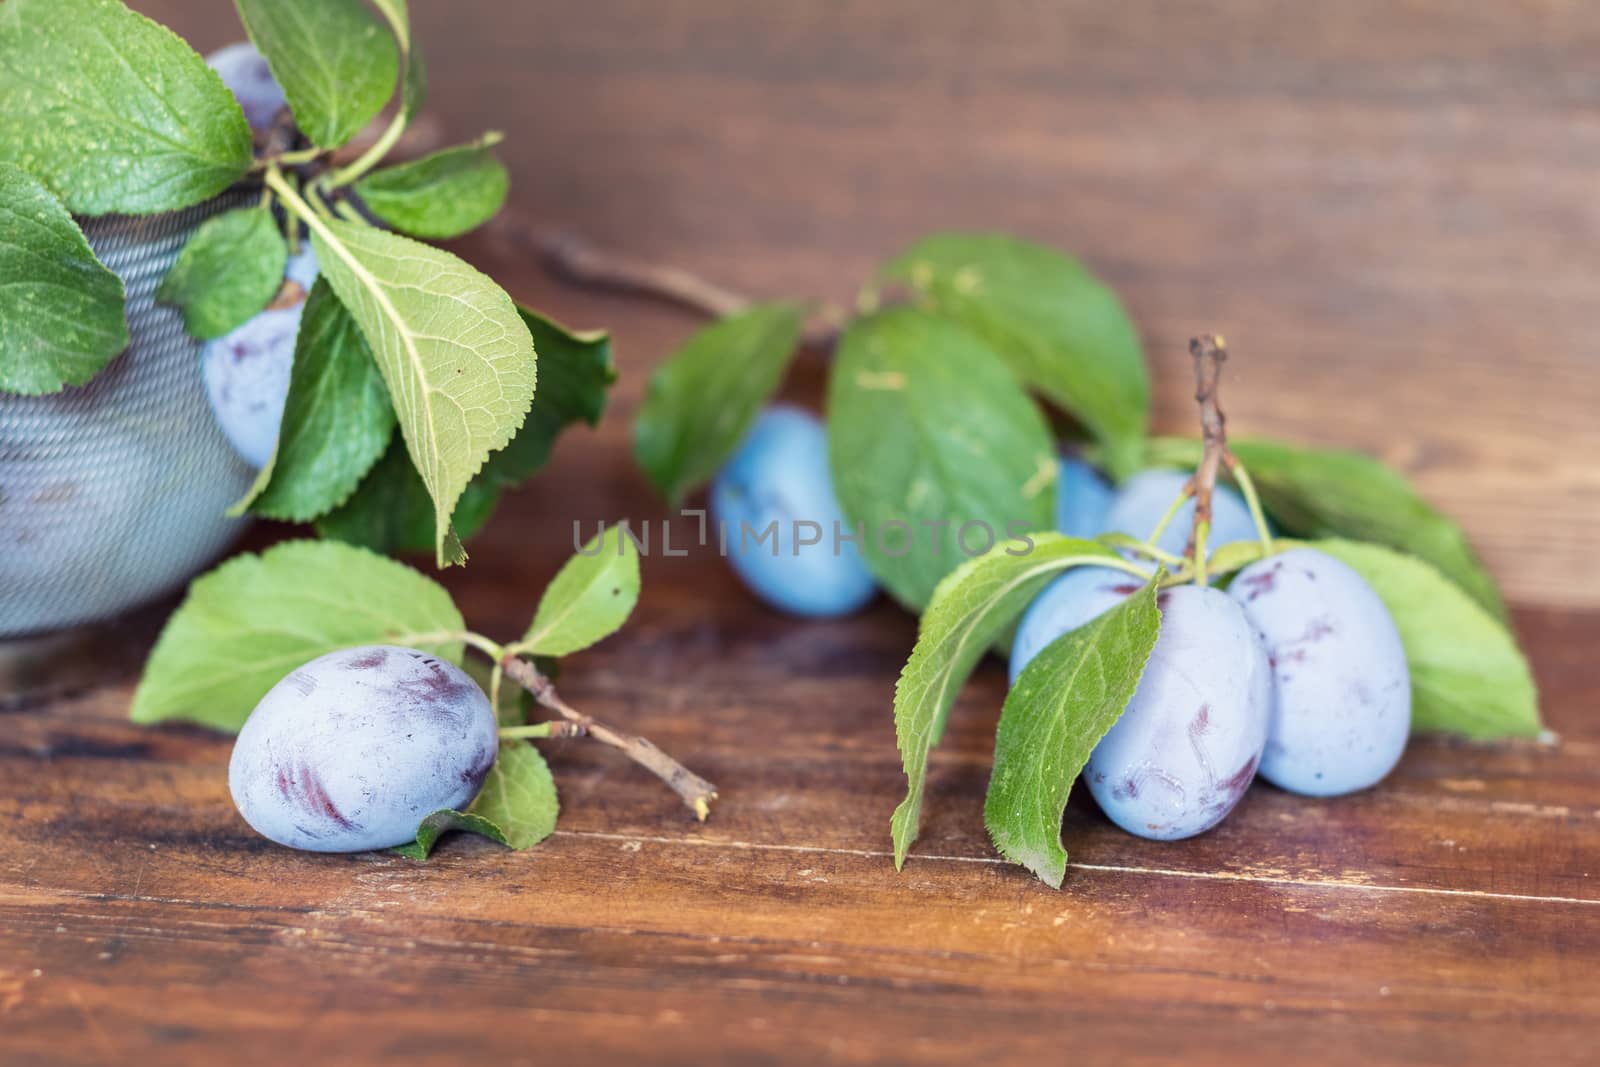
(442, 195)
(457, 357)
(590, 598)
(415, 89)
(700, 402)
(1467, 675)
(227, 272)
(336, 61)
(926, 426)
(1315, 492)
(1061, 329)
(337, 419)
(61, 310)
(442, 822)
(1062, 704)
(969, 610)
(114, 112)
(519, 796)
(575, 372)
(390, 511)
(516, 807)
(253, 619)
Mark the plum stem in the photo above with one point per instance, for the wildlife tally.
(538, 730)
(1210, 353)
(696, 792)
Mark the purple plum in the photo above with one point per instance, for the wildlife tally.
(1188, 745)
(1342, 690)
(246, 74)
(779, 477)
(354, 749)
(1143, 499)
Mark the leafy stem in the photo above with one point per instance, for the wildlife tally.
(371, 157)
(696, 792)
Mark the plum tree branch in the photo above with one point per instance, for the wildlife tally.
(695, 790)
(579, 262)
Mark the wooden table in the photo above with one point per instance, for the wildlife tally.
(1390, 210)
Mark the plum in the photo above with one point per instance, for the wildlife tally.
(1083, 499)
(1188, 745)
(352, 750)
(1143, 499)
(779, 477)
(1072, 600)
(1342, 690)
(246, 74)
(247, 371)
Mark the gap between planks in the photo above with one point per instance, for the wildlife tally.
(1103, 868)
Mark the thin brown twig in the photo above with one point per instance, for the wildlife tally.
(1210, 353)
(695, 790)
(579, 262)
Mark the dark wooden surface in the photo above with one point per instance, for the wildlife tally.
(1389, 208)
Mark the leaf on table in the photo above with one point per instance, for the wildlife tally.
(61, 310)
(337, 419)
(516, 807)
(1315, 492)
(700, 402)
(590, 598)
(1468, 676)
(440, 196)
(252, 620)
(1061, 329)
(227, 272)
(442, 822)
(114, 112)
(335, 59)
(1062, 704)
(456, 355)
(928, 434)
(391, 511)
(967, 612)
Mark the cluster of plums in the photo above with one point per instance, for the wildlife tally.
(1295, 672)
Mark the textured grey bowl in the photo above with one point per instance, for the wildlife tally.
(113, 494)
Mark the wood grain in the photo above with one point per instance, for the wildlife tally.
(1389, 210)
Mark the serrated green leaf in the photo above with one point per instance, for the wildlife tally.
(517, 805)
(1315, 492)
(443, 195)
(575, 372)
(700, 402)
(929, 430)
(457, 357)
(337, 419)
(227, 272)
(590, 598)
(1061, 329)
(390, 511)
(519, 796)
(114, 112)
(253, 619)
(61, 310)
(336, 61)
(968, 610)
(1467, 675)
(1062, 704)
